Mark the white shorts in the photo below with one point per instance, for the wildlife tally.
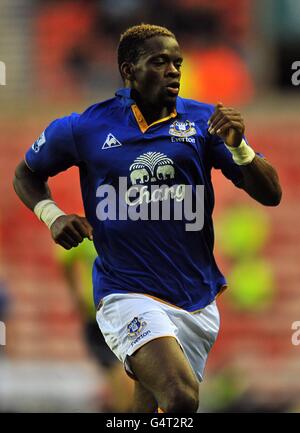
(128, 321)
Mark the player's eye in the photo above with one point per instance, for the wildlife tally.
(158, 61)
(178, 64)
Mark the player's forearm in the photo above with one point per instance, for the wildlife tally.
(66, 230)
(30, 188)
(261, 182)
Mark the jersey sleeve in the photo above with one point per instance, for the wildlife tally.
(55, 149)
(221, 159)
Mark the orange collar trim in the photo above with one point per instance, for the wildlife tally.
(142, 122)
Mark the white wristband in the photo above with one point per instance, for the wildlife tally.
(243, 154)
(47, 211)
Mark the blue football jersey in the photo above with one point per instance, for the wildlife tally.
(111, 141)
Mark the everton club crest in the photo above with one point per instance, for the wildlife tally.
(182, 129)
(136, 326)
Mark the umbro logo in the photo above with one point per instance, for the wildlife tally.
(110, 142)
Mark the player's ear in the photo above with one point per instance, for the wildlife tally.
(127, 71)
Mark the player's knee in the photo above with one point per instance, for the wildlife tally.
(183, 399)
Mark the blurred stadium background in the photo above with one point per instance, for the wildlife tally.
(60, 56)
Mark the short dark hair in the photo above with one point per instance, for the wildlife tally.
(131, 41)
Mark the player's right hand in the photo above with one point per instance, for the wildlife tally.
(70, 230)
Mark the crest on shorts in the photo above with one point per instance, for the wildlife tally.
(182, 129)
(136, 326)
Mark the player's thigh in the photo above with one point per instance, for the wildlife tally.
(161, 366)
(143, 400)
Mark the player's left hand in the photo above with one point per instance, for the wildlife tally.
(228, 124)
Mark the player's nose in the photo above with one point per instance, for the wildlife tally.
(172, 70)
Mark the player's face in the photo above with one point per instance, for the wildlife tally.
(157, 72)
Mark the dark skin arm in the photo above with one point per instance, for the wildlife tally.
(68, 230)
(260, 179)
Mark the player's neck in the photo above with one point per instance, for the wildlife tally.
(152, 113)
